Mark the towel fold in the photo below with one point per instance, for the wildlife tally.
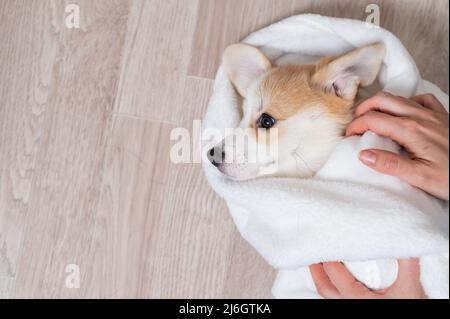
(347, 212)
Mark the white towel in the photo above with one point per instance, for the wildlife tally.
(347, 212)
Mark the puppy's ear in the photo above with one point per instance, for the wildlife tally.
(343, 75)
(244, 64)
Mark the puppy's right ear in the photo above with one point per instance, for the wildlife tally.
(244, 64)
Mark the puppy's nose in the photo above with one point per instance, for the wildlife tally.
(216, 156)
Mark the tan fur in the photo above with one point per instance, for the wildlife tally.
(288, 90)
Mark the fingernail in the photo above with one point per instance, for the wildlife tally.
(368, 157)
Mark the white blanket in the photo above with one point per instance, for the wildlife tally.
(347, 212)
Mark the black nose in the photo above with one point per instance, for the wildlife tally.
(216, 156)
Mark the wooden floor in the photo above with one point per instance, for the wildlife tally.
(85, 117)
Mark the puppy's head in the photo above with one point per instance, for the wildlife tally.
(307, 106)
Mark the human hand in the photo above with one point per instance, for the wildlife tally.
(421, 126)
(334, 281)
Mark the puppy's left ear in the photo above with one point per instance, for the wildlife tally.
(345, 74)
(244, 64)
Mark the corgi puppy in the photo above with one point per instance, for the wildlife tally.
(309, 106)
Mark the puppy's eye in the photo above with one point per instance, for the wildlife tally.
(266, 121)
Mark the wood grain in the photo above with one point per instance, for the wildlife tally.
(85, 121)
(421, 25)
(65, 189)
(156, 56)
(127, 225)
(27, 56)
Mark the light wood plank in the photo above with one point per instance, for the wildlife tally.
(6, 287)
(248, 271)
(27, 55)
(194, 249)
(156, 58)
(225, 22)
(65, 190)
(127, 224)
(422, 26)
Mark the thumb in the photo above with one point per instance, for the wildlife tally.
(389, 163)
(408, 284)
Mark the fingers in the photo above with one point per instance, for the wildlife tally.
(391, 116)
(408, 269)
(390, 104)
(345, 282)
(430, 102)
(393, 164)
(333, 280)
(388, 163)
(408, 283)
(380, 123)
(324, 286)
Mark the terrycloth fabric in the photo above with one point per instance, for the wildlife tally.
(347, 212)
